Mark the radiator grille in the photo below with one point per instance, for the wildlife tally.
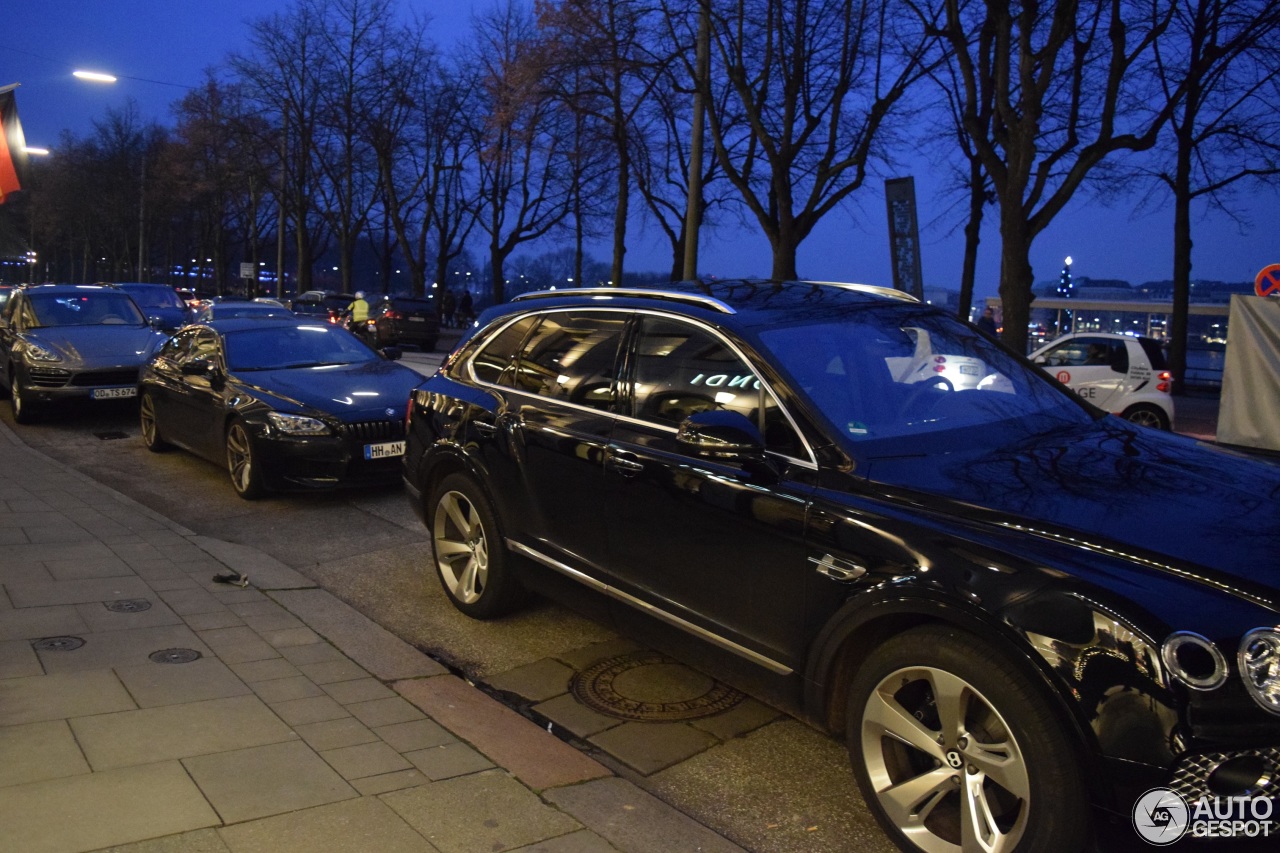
(365, 432)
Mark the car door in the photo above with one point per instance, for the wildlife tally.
(197, 404)
(546, 438)
(164, 380)
(1094, 367)
(716, 546)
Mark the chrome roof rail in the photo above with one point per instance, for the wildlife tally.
(642, 293)
(891, 292)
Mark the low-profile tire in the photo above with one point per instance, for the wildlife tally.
(150, 428)
(24, 411)
(470, 558)
(242, 462)
(1148, 415)
(955, 749)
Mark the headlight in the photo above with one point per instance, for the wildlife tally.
(36, 352)
(1260, 666)
(297, 424)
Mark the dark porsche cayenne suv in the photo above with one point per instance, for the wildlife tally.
(1021, 612)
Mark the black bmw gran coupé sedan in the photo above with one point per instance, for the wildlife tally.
(1013, 605)
(284, 404)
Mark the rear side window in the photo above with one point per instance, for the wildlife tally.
(1155, 353)
(572, 356)
(497, 355)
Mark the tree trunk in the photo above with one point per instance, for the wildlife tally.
(620, 215)
(1016, 279)
(1181, 267)
(972, 237)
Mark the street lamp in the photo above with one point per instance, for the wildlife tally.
(93, 76)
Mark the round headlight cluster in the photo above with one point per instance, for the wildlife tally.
(1194, 660)
(297, 424)
(1259, 660)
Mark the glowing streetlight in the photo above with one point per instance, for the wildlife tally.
(93, 76)
(38, 152)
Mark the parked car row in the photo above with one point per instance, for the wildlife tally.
(1021, 612)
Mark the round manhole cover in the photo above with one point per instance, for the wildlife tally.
(175, 656)
(127, 605)
(652, 688)
(58, 644)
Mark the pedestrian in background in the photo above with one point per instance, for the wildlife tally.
(465, 311)
(987, 322)
(447, 307)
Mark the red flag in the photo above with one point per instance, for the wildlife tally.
(13, 145)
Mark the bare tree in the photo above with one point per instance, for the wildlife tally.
(1224, 57)
(814, 83)
(519, 136)
(1067, 94)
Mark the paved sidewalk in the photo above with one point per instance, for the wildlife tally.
(145, 707)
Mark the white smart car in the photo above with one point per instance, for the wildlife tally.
(1122, 374)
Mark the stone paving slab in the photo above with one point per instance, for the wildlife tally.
(153, 685)
(99, 809)
(34, 622)
(57, 697)
(76, 592)
(38, 751)
(483, 812)
(361, 639)
(127, 738)
(363, 824)
(127, 647)
(534, 756)
(266, 780)
(634, 820)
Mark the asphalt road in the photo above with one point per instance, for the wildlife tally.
(780, 787)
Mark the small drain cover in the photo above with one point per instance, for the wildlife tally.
(127, 605)
(175, 656)
(649, 687)
(57, 644)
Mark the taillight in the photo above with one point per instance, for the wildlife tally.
(1164, 377)
(938, 368)
(393, 315)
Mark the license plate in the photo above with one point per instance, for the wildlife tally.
(112, 393)
(385, 450)
(417, 319)
(968, 370)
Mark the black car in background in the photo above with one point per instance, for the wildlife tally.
(401, 320)
(282, 403)
(1012, 604)
(159, 302)
(71, 342)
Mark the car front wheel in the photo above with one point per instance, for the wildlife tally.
(150, 428)
(242, 463)
(1145, 414)
(471, 559)
(24, 411)
(955, 751)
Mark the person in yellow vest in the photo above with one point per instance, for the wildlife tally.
(357, 313)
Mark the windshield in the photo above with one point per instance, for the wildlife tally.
(155, 297)
(85, 309)
(281, 347)
(905, 372)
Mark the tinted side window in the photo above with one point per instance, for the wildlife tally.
(571, 356)
(176, 347)
(497, 354)
(681, 369)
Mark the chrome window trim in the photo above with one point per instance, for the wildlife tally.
(657, 612)
(871, 289)
(644, 293)
(810, 464)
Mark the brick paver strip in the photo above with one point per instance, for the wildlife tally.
(534, 756)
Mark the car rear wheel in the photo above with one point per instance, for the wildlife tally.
(242, 463)
(1145, 414)
(471, 559)
(955, 751)
(150, 428)
(24, 411)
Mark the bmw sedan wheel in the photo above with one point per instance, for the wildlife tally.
(242, 464)
(1144, 414)
(470, 558)
(954, 751)
(24, 411)
(150, 428)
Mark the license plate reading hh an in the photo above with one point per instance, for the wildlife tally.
(112, 393)
(384, 450)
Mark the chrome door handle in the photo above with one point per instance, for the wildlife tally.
(838, 569)
(625, 464)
